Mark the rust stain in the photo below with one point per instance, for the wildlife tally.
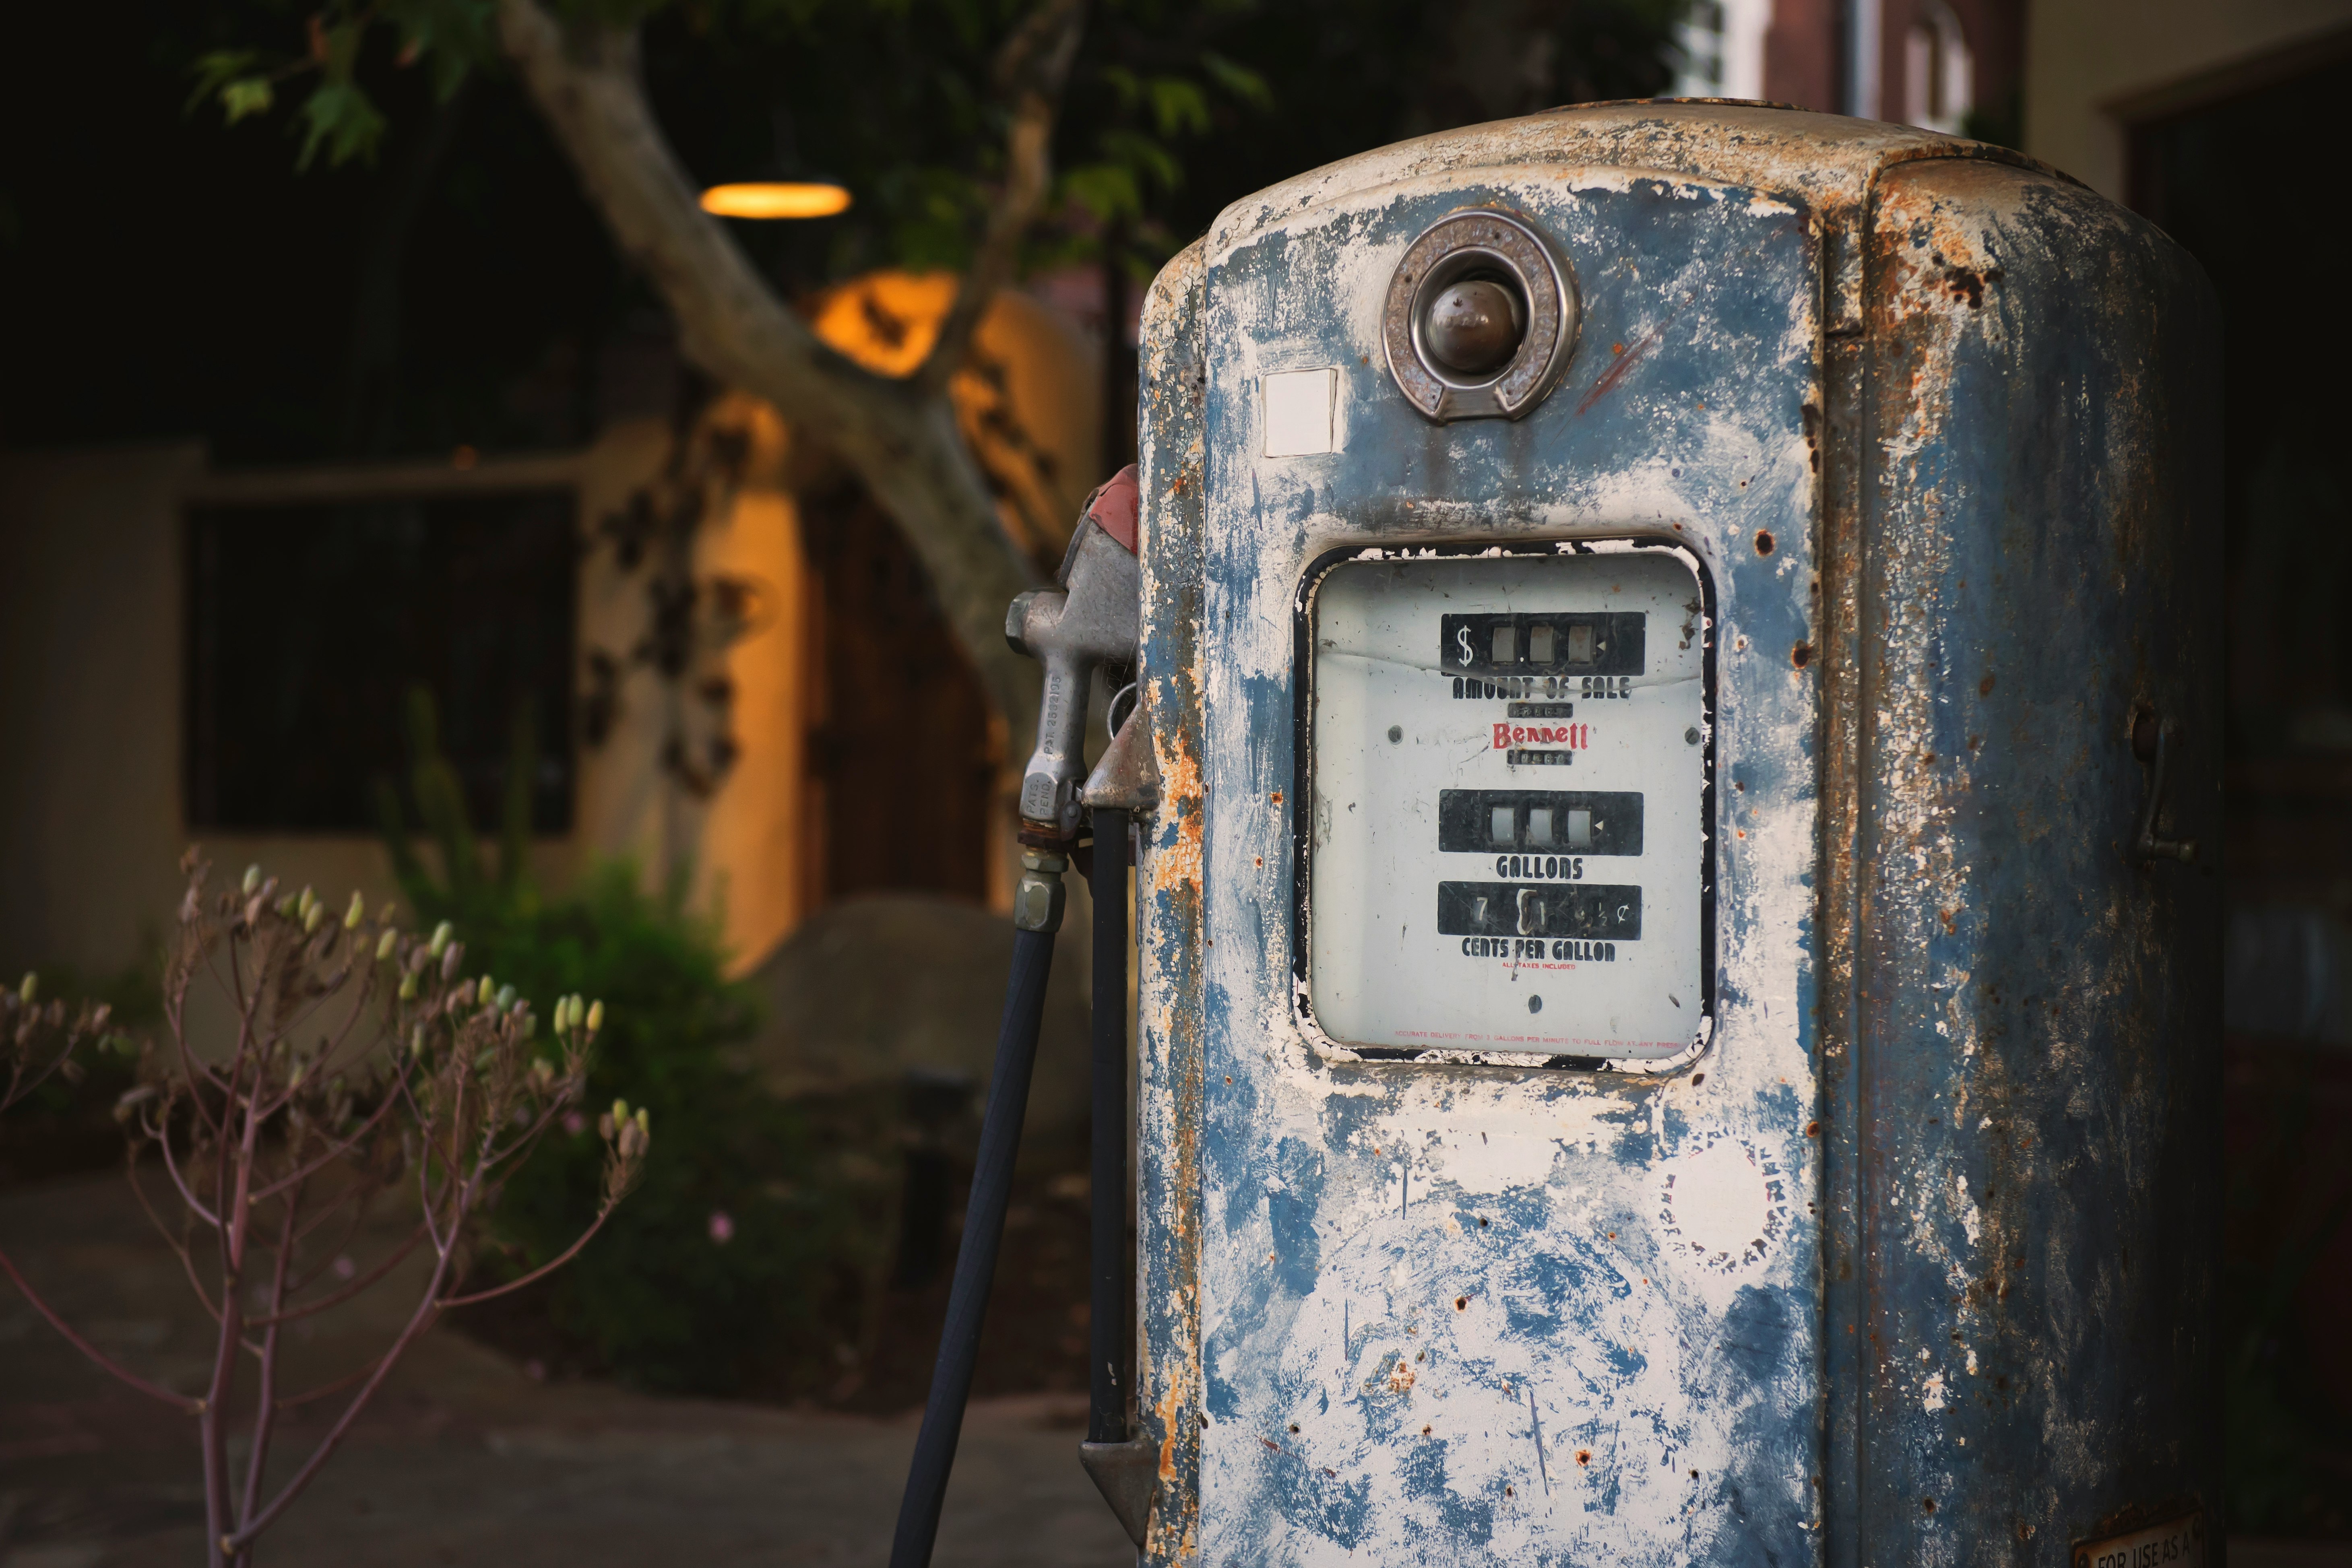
(1625, 360)
(1178, 865)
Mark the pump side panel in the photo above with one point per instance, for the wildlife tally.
(1169, 910)
(2039, 1014)
(1406, 1312)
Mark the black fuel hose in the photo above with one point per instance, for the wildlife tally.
(1106, 1177)
(975, 1269)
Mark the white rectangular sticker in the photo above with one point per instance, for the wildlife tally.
(1299, 412)
(1508, 849)
(2179, 1545)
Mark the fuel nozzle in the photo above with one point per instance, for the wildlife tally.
(1088, 623)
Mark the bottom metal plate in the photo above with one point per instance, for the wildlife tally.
(2178, 1543)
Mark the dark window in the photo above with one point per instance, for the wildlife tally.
(308, 624)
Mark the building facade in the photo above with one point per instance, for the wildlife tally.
(1952, 66)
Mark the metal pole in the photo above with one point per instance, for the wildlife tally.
(1107, 1336)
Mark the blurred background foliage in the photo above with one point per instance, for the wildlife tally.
(67, 1124)
(741, 1261)
(433, 276)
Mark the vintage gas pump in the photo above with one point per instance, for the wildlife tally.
(1679, 995)
(1679, 1015)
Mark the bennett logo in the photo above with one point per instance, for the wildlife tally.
(1575, 736)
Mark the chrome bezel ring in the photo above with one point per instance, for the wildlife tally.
(1493, 241)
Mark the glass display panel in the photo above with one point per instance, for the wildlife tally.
(1507, 854)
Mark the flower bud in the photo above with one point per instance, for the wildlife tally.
(620, 1112)
(356, 912)
(311, 915)
(645, 1120)
(483, 992)
(29, 989)
(306, 903)
(252, 878)
(417, 1040)
(605, 1126)
(505, 997)
(288, 905)
(441, 935)
(595, 1016)
(451, 959)
(631, 1141)
(408, 987)
(385, 943)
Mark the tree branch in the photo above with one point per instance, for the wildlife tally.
(254, 1524)
(265, 1413)
(178, 1245)
(105, 1361)
(602, 1213)
(286, 1314)
(1032, 67)
(901, 439)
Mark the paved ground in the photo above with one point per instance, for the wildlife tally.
(464, 1458)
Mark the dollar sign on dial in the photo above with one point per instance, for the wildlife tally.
(1462, 639)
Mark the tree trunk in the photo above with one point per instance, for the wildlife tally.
(901, 437)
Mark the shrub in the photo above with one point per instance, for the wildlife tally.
(740, 1249)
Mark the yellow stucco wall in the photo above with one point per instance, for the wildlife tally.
(91, 819)
(2086, 58)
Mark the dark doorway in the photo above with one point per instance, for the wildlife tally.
(2232, 178)
(903, 750)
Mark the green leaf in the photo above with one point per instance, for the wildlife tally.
(216, 71)
(1105, 190)
(1238, 79)
(341, 117)
(1179, 106)
(451, 37)
(246, 95)
(343, 40)
(1144, 157)
(1123, 82)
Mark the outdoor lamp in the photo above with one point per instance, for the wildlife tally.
(810, 198)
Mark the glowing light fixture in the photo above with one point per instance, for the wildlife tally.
(776, 199)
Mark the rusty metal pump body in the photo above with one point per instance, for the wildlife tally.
(1847, 1188)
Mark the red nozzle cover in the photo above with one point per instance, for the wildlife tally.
(1115, 505)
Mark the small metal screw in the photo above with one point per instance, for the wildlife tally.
(1534, 1004)
(1396, 733)
(1690, 736)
